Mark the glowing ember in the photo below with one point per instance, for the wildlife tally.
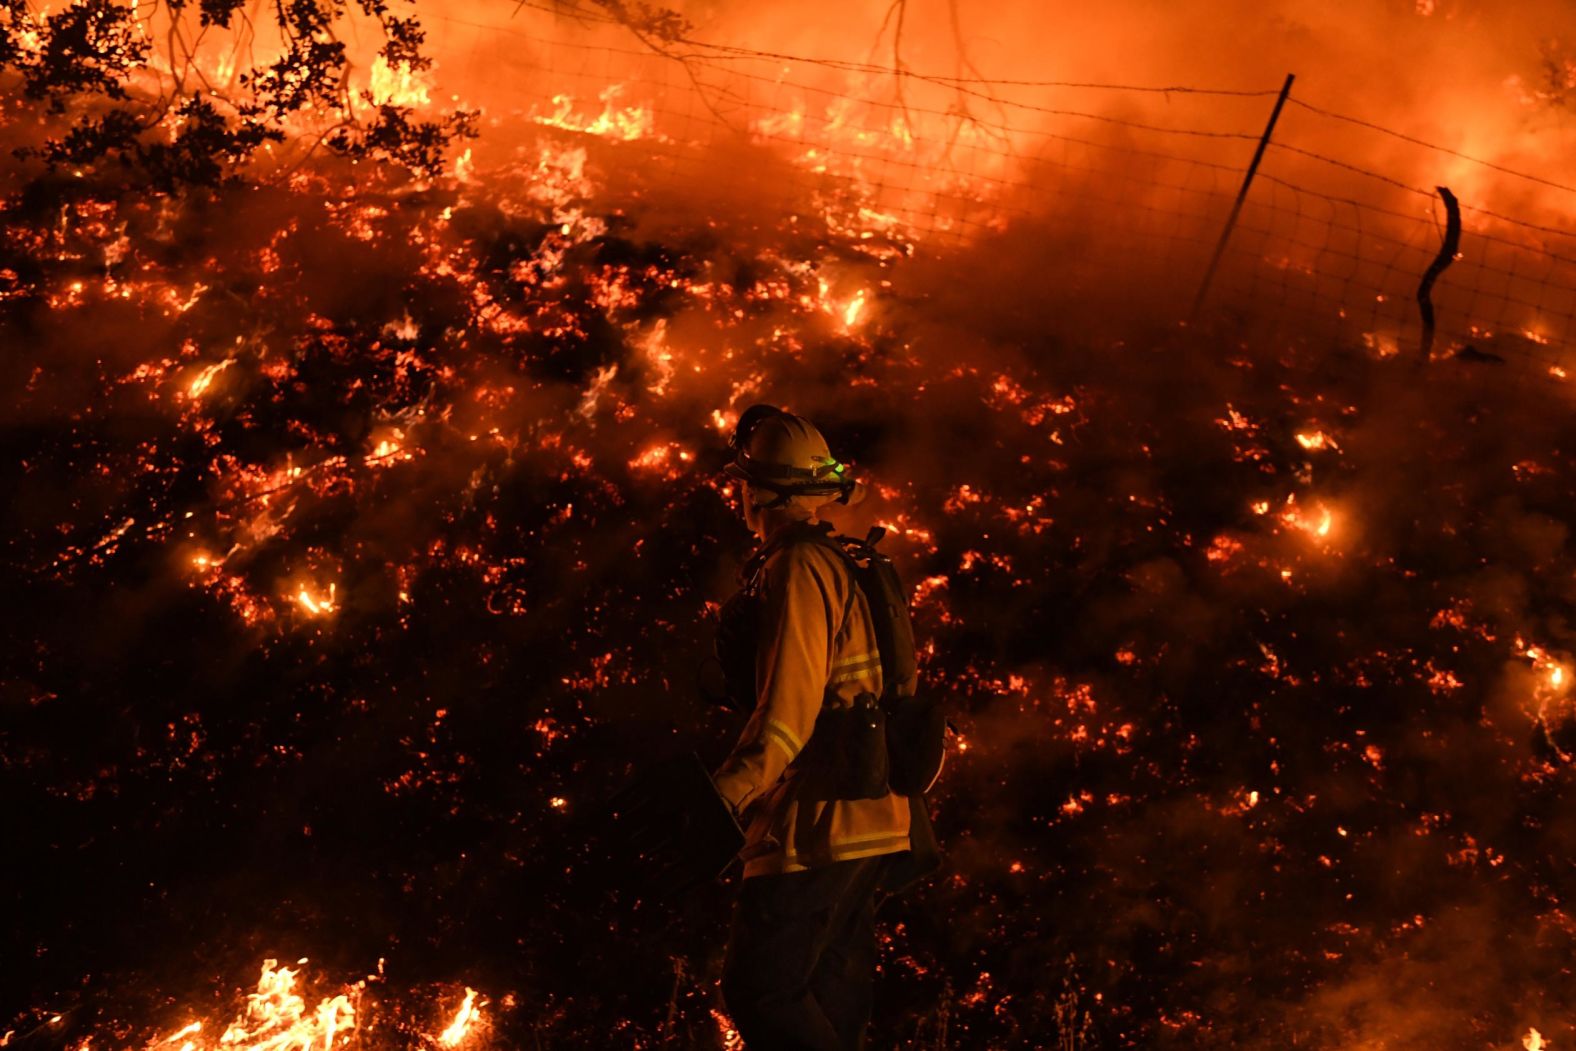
(388, 447)
(1318, 523)
(727, 1036)
(464, 1020)
(181, 1034)
(318, 604)
(626, 123)
(854, 309)
(204, 378)
(276, 1018)
(1552, 670)
(1316, 441)
(490, 400)
(397, 84)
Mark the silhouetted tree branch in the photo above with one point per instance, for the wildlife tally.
(91, 66)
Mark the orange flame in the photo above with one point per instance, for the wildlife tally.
(855, 307)
(1316, 441)
(317, 605)
(626, 123)
(275, 1019)
(469, 1013)
(397, 84)
(204, 379)
(1318, 523)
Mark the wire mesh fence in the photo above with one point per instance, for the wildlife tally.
(1323, 242)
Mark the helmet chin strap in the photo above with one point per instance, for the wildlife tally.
(780, 500)
(844, 491)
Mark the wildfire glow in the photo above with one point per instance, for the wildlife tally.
(1553, 671)
(854, 309)
(179, 1034)
(397, 85)
(204, 379)
(1319, 522)
(464, 1018)
(319, 604)
(626, 123)
(1316, 441)
(543, 367)
(660, 457)
(727, 1034)
(388, 447)
(276, 1018)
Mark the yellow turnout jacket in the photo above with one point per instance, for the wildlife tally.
(816, 646)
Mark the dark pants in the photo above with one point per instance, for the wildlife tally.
(802, 956)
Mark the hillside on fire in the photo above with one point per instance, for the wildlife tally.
(369, 374)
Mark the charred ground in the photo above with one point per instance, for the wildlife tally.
(361, 534)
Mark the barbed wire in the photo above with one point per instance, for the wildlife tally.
(1336, 249)
(1402, 136)
(1357, 169)
(846, 65)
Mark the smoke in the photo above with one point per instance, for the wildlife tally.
(1455, 73)
(1256, 647)
(1123, 193)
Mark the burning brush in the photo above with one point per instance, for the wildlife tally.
(365, 518)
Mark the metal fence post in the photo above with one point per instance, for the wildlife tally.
(1242, 195)
(1446, 256)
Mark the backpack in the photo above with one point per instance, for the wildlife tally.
(914, 723)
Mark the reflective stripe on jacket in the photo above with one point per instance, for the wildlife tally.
(808, 651)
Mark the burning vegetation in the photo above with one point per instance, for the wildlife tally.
(364, 524)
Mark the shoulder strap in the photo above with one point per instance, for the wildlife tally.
(872, 575)
(820, 534)
(850, 552)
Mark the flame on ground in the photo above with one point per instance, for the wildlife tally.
(276, 1018)
(464, 1022)
(597, 441)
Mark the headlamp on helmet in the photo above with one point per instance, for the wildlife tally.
(785, 454)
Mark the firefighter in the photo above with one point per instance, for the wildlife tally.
(802, 950)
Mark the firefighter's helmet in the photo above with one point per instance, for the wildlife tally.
(785, 455)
